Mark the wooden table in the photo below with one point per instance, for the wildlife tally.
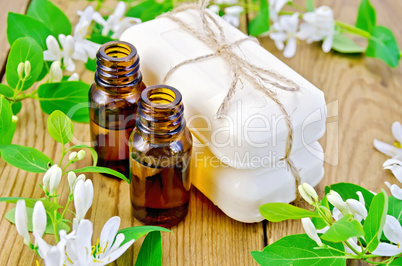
(364, 97)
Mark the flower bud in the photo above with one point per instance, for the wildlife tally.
(310, 191)
(54, 181)
(83, 197)
(73, 156)
(71, 177)
(48, 174)
(20, 70)
(304, 195)
(311, 231)
(73, 77)
(21, 221)
(55, 74)
(39, 219)
(14, 119)
(81, 155)
(80, 177)
(27, 68)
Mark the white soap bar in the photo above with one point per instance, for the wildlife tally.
(239, 193)
(254, 129)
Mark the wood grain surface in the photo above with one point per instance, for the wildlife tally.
(364, 97)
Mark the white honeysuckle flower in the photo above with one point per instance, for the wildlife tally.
(54, 180)
(87, 16)
(21, 221)
(274, 7)
(81, 155)
(79, 250)
(54, 53)
(27, 69)
(396, 191)
(232, 15)
(116, 22)
(393, 232)
(214, 8)
(395, 166)
(20, 70)
(83, 197)
(55, 73)
(74, 77)
(319, 25)
(336, 200)
(387, 149)
(48, 174)
(52, 255)
(14, 119)
(72, 156)
(358, 209)
(285, 30)
(311, 231)
(337, 214)
(397, 131)
(39, 219)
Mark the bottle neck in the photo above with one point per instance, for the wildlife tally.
(160, 113)
(117, 67)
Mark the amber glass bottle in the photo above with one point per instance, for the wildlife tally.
(160, 151)
(113, 103)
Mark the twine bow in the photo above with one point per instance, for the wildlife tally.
(239, 68)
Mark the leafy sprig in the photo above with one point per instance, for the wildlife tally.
(344, 237)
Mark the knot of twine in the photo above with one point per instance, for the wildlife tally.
(239, 68)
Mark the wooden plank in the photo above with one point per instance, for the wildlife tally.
(17, 6)
(365, 96)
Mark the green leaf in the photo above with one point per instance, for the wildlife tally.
(24, 49)
(24, 26)
(91, 64)
(70, 97)
(137, 232)
(103, 170)
(375, 220)
(45, 69)
(25, 158)
(343, 229)
(310, 5)
(93, 152)
(382, 45)
(99, 38)
(149, 9)
(151, 250)
(397, 262)
(277, 212)
(46, 12)
(348, 191)
(9, 93)
(49, 206)
(260, 23)
(395, 208)
(344, 44)
(10, 216)
(5, 120)
(60, 127)
(299, 250)
(366, 17)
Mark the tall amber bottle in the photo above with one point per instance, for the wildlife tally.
(160, 151)
(113, 101)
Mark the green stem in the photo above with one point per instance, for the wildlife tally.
(360, 254)
(65, 209)
(352, 29)
(62, 155)
(69, 162)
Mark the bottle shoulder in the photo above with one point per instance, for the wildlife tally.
(98, 94)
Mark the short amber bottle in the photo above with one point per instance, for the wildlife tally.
(113, 101)
(160, 152)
